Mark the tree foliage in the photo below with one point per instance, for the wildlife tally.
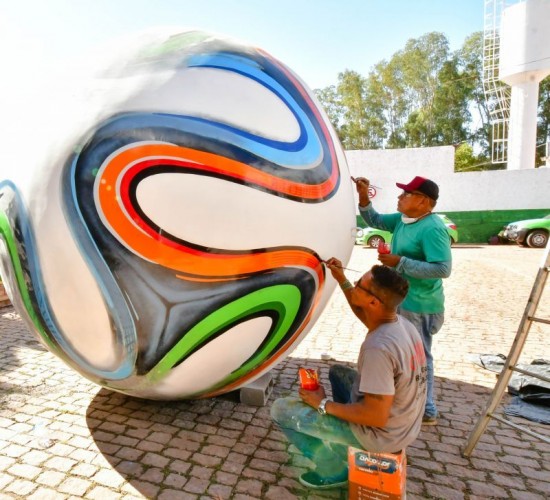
(424, 95)
(543, 130)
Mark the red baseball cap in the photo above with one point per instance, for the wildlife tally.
(421, 185)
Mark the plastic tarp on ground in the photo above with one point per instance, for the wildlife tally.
(532, 395)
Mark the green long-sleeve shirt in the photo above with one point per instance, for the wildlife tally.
(425, 250)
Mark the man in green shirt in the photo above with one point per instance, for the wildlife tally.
(421, 253)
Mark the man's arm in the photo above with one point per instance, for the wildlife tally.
(372, 218)
(367, 211)
(437, 262)
(372, 411)
(424, 270)
(335, 267)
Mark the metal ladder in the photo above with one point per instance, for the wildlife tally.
(511, 361)
(497, 93)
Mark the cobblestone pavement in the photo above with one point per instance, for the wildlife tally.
(62, 437)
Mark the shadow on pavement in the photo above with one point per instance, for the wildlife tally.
(222, 447)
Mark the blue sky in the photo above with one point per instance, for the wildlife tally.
(316, 38)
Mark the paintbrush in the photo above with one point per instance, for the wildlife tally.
(370, 185)
(344, 268)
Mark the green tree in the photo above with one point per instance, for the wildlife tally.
(351, 89)
(470, 61)
(465, 159)
(386, 81)
(331, 102)
(426, 104)
(543, 129)
(355, 110)
(450, 109)
(424, 95)
(422, 60)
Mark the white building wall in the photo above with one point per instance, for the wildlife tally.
(459, 192)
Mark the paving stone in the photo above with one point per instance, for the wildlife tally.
(184, 445)
(85, 456)
(127, 453)
(527, 495)
(169, 494)
(201, 472)
(179, 466)
(5, 479)
(206, 460)
(196, 485)
(514, 481)
(216, 451)
(85, 470)
(15, 451)
(50, 478)
(152, 446)
(449, 481)
(100, 493)
(62, 464)
(465, 472)
(197, 437)
(155, 460)
(250, 487)
(272, 456)
(232, 467)
(219, 491)
(444, 492)
(540, 486)
(226, 478)
(149, 490)
(75, 486)
(175, 480)
(279, 493)
(264, 465)
(42, 493)
(108, 477)
(159, 437)
(137, 433)
(20, 487)
(538, 474)
(521, 461)
(153, 475)
(487, 490)
(415, 487)
(24, 470)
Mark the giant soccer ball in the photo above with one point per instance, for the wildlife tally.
(168, 240)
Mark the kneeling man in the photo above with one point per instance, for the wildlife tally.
(379, 406)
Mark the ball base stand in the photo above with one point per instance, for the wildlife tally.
(257, 393)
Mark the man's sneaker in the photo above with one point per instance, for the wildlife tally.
(427, 420)
(314, 481)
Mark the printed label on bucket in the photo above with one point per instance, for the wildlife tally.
(368, 461)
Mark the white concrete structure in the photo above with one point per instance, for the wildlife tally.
(524, 62)
(459, 191)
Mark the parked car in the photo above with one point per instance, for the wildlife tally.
(530, 232)
(372, 237)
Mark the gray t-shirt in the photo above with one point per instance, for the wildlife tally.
(392, 362)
